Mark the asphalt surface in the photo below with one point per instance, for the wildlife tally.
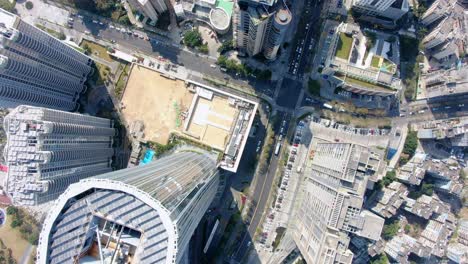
(262, 191)
(289, 93)
(301, 56)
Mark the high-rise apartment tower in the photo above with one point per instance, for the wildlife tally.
(38, 69)
(260, 27)
(383, 12)
(47, 150)
(143, 214)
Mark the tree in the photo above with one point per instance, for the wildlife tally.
(407, 228)
(387, 179)
(15, 223)
(61, 36)
(12, 210)
(193, 38)
(226, 46)
(124, 20)
(390, 230)
(427, 189)
(203, 48)
(87, 49)
(411, 143)
(7, 5)
(380, 259)
(29, 5)
(222, 60)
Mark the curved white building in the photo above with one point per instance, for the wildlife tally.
(47, 150)
(143, 214)
(220, 20)
(38, 69)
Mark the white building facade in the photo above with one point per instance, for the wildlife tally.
(144, 214)
(38, 69)
(47, 150)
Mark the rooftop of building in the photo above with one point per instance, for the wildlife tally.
(359, 66)
(425, 206)
(219, 18)
(8, 19)
(413, 172)
(387, 201)
(444, 82)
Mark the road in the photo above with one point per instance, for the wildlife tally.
(262, 192)
(158, 45)
(304, 46)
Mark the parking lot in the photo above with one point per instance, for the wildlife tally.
(280, 212)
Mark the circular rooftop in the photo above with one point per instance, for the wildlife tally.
(283, 17)
(220, 20)
(92, 212)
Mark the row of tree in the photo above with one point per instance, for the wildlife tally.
(232, 65)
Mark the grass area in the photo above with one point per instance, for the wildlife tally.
(313, 86)
(100, 74)
(344, 118)
(344, 46)
(96, 49)
(375, 61)
(389, 66)
(7, 5)
(59, 35)
(366, 84)
(12, 239)
(120, 85)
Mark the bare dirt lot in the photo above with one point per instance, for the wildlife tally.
(155, 100)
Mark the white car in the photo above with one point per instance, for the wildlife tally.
(95, 22)
(213, 66)
(111, 26)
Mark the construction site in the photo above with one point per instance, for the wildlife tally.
(156, 106)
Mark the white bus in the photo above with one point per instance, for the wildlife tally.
(277, 149)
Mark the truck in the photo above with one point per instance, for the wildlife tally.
(325, 105)
(277, 149)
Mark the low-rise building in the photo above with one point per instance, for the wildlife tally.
(463, 232)
(399, 247)
(412, 172)
(457, 253)
(447, 41)
(444, 82)
(435, 236)
(455, 129)
(426, 206)
(388, 200)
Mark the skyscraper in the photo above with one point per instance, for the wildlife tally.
(149, 8)
(330, 203)
(47, 150)
(383, 12)
(260, 26)
(143, 214)
(38, 69)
